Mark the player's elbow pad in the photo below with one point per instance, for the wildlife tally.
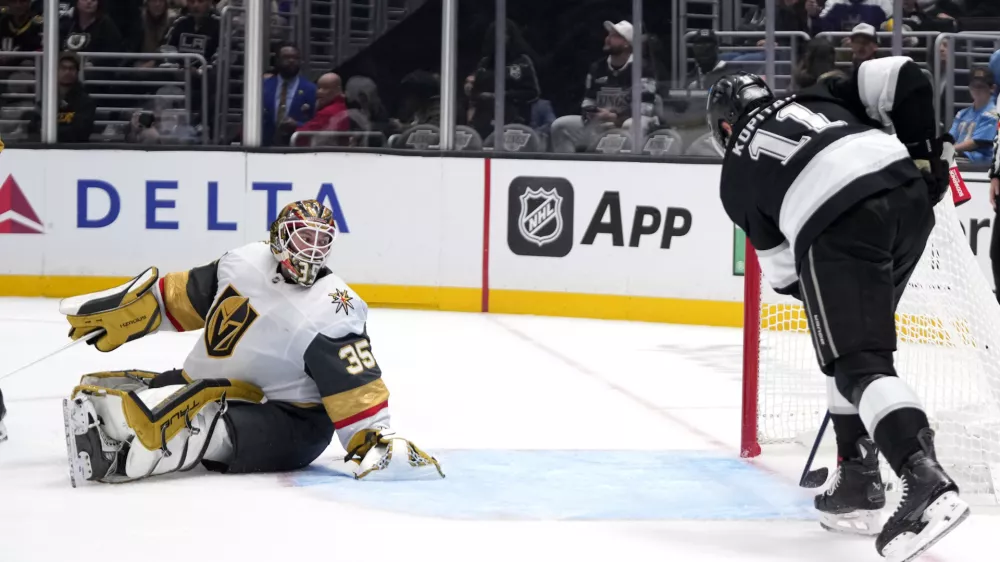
(895, 92)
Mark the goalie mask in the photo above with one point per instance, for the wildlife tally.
(301, 239)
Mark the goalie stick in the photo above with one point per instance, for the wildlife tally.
(85, 338)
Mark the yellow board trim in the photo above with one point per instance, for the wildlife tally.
(617, 307)
(459, 299)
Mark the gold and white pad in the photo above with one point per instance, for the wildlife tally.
(118, 429)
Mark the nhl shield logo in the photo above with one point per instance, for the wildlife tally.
(540, 216)
(541, 220)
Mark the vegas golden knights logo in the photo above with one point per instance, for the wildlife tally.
(228, 320)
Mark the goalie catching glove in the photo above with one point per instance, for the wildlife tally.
(380, 454)
(125, 313)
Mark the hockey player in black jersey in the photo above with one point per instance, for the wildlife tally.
(839, 213)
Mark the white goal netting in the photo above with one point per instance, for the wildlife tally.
(948, 326)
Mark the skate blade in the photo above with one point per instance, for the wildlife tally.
(70, 441)
(79, 466)
(942, 516)
(862, 523)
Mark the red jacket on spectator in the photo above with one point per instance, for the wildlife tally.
(332, 117)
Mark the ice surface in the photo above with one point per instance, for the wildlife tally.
(561, 438)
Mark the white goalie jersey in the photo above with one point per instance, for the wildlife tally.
(302, 345)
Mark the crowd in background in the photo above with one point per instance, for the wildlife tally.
(590, 110)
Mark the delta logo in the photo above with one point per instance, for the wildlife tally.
(16, 214)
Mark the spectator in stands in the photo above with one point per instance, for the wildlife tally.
(289, 98)
(940, 9)
(708, 67)
(995, 69)
(864, 44)
(156, 21)
(75, 119)
(20, 28)
(982, 8)
(842, 15)
(468, 104)
(127, 17)
(196, 31)
(818, 63)
(366, 110)
(167, 121)
(420, 93)
(607, 102)
(791, 16)
(88, 28)
(331, 111)
(813, 9)
(521, 83)
(975, 127)
(933, 18)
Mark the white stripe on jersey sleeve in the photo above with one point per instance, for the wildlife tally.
(778, 265)
(833, 169)
(877, 81)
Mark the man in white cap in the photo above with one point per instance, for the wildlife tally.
(864, 43)
(607, 102)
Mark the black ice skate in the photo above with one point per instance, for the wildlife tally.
(929, 509)
(856, 495)
(3, 414)
(92, 454)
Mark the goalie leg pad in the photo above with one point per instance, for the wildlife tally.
(137, 431)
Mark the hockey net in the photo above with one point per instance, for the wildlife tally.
(948, 328)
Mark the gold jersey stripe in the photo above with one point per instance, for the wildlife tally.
(350, 403)
(177, 302)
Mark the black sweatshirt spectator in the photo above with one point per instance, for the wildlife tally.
(88, 28)
(521, 84)
(196, 32)
(982, 8)
(20, 28)
(607, 100)
(75, 120)
(127, 17)
(916, 18)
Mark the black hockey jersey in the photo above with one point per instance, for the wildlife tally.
(193, 35)
(20, 37)
(794, 166)
(610, 88)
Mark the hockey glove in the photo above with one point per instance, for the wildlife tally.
(126, 313)
(934, 159)
(380, 454)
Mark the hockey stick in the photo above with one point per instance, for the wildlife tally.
(815, 478)
(85, 338)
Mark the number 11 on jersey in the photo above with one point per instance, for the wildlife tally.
(783, 148)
